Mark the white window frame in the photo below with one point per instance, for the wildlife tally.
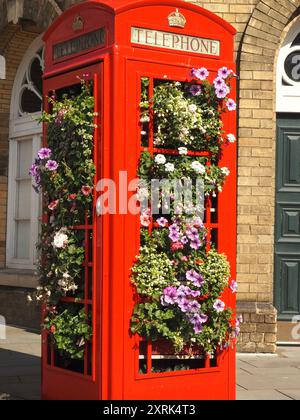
(22, 128)
(287, 97)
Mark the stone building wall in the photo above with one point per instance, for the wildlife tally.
(260, 25)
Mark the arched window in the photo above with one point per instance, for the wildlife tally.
(24, 142)
(288, 72)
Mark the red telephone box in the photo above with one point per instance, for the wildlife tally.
(116, 43)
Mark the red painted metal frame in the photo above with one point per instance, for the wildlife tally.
(117, 240)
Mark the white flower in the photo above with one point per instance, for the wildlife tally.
(142, 194)
(143, 133)
(198, 167)
(145, 119)
(184, 131)
(60, 240)
(225, 171)
(183, 150)
(231, 138)
(29, 298)
(160, 159)
(193, 108)
(169, 167)
(66, 276)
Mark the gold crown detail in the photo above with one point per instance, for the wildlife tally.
(78, 23)
(176, 19)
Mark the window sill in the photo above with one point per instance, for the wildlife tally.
(18, 278)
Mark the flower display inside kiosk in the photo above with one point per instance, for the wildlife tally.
(179, 276)
(64, 173)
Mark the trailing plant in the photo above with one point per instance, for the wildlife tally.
(188, 114)
(179, 277)
(69, 330)
(63, 173)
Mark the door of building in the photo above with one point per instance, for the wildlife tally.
(287, 225)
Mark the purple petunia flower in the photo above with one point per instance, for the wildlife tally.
(170, 295)
(174, 228)
(38, 178)
(233, 286)
(236, 332)
(201, 74)
(184, 240)
(44, 153)
(195, 278)
(203, 318)
(198, 328)
(195, 90)
(224, 72)
(194, 318)
(219, 82)
(51, 165)
(181, 296)
(162, 222)
(184, 305)
(194, 306)
(195, 293)
(174, 236)
(184, 289)
(34, 170)
(191, 233)
(221, 92)
(231, 105)
(196, 243)
(192, 275)
(219, 306)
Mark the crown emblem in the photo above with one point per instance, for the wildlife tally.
(78, 23)
(177, 19)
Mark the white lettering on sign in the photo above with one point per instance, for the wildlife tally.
(296, 68)
(172, 41)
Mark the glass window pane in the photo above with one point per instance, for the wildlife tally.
(30, 102)
(24, 158)
(23, 210)
(22, 240)
(36, 74)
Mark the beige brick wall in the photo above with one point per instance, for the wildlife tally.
(260, 25)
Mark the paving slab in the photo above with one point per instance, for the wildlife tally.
(261, 396)
(259, 377)
(291, 393)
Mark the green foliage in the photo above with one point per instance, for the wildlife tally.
(70, 331)
(179, 284)
(155, 320)
(67, 192)
(152, 272)
(181, 119)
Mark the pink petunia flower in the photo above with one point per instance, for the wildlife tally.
(201, 74)
(86, 190)
(231, 105)
(51, 165)
(145, 220)
(224, 72)
(52, 206)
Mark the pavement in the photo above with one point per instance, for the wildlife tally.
(259, 377)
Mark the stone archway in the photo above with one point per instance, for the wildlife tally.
(41, 12)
